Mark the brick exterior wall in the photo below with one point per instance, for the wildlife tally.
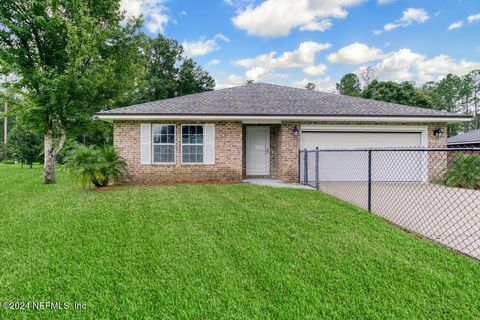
(228, 155)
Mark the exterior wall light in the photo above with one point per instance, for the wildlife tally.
(295, 131)
(438, 133)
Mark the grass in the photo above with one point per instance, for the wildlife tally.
(217, 252)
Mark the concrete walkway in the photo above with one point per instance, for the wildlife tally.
(276, 183)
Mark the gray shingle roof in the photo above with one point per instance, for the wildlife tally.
(465, 138)
(261, 99)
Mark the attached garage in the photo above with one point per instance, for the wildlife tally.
(353, 165)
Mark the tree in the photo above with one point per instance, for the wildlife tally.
(310, 86)
(473, 80)
(367, 74)
(349, 85)
(169, 74)
(73, 57)
(97, 166)
(401, 93)
(193, 79)
(24, 145)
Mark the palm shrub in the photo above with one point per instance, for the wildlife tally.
(464, 172)
(97, 166)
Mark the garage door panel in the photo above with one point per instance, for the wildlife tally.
(353, 165)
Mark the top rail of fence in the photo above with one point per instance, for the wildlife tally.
(394, 149)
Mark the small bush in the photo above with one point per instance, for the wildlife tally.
(8, 162)
(96, 166)
(464, 172)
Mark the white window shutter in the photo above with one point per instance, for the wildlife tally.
(209, 144)
(145, 143)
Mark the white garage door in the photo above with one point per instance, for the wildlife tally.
(353, 166)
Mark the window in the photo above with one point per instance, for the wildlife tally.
(192, 143)
(163, 143)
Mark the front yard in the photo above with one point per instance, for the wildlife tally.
(217, 251)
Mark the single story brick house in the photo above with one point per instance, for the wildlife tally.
(256, 130)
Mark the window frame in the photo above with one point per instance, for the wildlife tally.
(192, 144)
(174, 144)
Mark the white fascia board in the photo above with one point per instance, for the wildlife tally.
(280, 118)
(464, 142)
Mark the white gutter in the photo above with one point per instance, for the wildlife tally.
(464, 142)
(107, 117)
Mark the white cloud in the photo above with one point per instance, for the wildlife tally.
(456, 25)
(261, 73)
(183, 13)
(203, 46)
(231, 81)
(302, 57)
(355, 53)
(315, 71)
(273, 18)
(320, 26)
(382, 2)
(473, 18)
(238, 3)
(323, 84)
(409, 17)
(377, 32)
(154, 13)
(213, 62)
(266, 66)
(406, 65)
(256, 74)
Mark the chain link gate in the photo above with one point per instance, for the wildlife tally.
(434, 192)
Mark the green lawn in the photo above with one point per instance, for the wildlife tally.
(217, 252)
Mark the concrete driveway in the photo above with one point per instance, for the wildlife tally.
(449, 216)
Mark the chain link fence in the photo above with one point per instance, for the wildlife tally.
(434, 192)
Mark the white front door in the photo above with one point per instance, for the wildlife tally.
(258, 151)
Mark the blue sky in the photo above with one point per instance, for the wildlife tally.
(291, 42)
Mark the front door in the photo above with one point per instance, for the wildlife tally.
(258, 150)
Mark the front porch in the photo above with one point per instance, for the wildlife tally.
(270, 151)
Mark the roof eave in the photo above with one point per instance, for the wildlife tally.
(464, 142)
(369, 118)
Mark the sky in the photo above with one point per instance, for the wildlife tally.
(292, 42)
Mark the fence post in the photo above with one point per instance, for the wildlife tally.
(317, 182)
(299, 165)
(305, 167)
(369, 180)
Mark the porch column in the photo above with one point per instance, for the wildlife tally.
(289, 144)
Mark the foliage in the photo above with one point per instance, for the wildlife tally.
(193, 79)
(394, 92)
(25, 146)
(4, 151)
(169, 73)
(457, 94)
(96, 166)
(219, 252)
(349, 85)
(8, 162)
(310, 86)
(72, 57)
(464, 172)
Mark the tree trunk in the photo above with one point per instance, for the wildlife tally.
(51, 152)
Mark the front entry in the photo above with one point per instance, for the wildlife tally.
(258, 150)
